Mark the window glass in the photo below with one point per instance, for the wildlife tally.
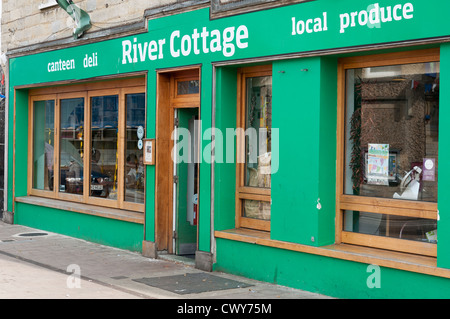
(71, 146)
(43, 144)
(93, 137)
(188, 87)
(258, 124)
(134, 164)
(104, 148)
(402, 227)
(392, 119)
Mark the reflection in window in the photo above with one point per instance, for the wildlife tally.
(43, 144)
(134, 165)
(258, 124)
(104, 139)
(188, 87)
(71, 146)
(417, 229)
(392, 132)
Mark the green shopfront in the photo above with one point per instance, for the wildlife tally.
(298, 145)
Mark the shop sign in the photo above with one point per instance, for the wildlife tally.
(192, 37)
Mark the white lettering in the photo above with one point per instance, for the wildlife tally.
(61, 65)
(225, 41)
(161, 42)
(293, 26)
(396, 9)
(311, 25)
(174, 53)
(143, 51)
(376, 14)
(152, 48)
(195, 37)
(362, 18)
(308, 23)
(214, 45)
(134, 51)
(345, 22)
(408, 9)
(90, 61)
(186, 45)
(204, 35)
(241, 34)
(300, 27)
(228, 47)
(389, 15)
(126, 51)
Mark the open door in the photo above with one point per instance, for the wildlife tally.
(185, 181)
(177, 171)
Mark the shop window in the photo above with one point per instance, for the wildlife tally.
(135, 122)
(254, 123)
(95, 133)
(43, 142)
(389, 151)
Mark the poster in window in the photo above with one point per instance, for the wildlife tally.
(378, 164)
(149, 151)
(429, 170)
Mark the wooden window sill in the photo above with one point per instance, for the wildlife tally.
(383, 258)
(112, 213)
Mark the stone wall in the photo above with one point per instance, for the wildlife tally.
(25, 24)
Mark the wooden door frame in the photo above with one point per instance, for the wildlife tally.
(167, 101)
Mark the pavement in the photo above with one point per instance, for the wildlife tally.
(36, 264)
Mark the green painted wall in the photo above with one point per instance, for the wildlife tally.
(304, 107)
(100, 230)
(204, 215)
(328, 276)
(225, 170)
(149, 228)
(443, 244)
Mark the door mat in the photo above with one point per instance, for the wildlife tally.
(192, 283)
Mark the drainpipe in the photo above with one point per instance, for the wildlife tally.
(5, 67)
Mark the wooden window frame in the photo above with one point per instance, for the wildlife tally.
(377, 205)
(121, 88)
(184, 100)
(245, 192)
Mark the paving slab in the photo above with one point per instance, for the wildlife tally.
(40, 264)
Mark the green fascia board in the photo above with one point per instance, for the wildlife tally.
(260, 34)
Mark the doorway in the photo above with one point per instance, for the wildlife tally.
(185, 181)
(177, 169)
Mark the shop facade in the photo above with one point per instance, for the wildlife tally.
(297, 145)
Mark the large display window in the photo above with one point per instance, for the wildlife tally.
(389, 134)
(97, 132)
